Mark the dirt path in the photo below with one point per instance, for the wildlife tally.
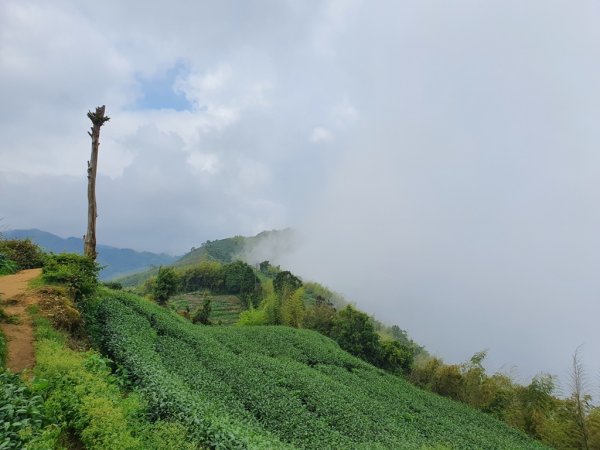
(19, 336)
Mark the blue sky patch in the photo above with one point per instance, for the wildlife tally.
(158, 91)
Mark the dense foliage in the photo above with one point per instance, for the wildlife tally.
(3, 348)
(203, 313)
(7, 265)
(286, 282)
(206, 275)
(23, 252)
(562, 423)
(87, 405)
(21, 412)
(352, 329)
(78, 273)
(277, 387)
(236, 278)
(241, 280)
(165, 285)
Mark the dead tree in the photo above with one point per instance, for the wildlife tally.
(89, 240)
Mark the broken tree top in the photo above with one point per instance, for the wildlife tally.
(98, 118)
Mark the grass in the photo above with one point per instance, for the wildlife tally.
(278, 387)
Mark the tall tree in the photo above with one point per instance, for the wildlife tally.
(89, 240)
(580, 401)
(354, 332)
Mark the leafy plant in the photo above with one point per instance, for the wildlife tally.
(241, 280)
(7, 265)
(354, 331)
(3, 350)
(203, 313)
(78, 273)
(21, 412)
(23, 252)
(113, 285)
(165, 285)
(285, 283)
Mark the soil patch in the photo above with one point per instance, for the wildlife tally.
(19, 335)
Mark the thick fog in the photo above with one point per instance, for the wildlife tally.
(439, 160)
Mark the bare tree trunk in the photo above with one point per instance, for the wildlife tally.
(98, 119)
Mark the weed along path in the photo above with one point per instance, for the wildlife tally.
(19, 333)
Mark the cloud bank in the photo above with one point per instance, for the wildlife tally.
(438, 159)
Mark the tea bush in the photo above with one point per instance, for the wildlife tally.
(278, 387)
(84, 399)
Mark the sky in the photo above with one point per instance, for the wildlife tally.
(439, 160)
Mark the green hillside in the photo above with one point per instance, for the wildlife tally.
(221, 250)
(277, 387)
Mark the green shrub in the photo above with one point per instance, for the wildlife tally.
(23, 252)
(113, 285)
(354, 331)
(78, 273)
(396, 357)
(21, 412)
(203, 313)
(79, 393)
(206, 275)
(166, 285)
(252, 317)
(7, 265)
(3, 350)
(240, 280)
(285, 283)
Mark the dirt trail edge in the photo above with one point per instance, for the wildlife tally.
(19, 336)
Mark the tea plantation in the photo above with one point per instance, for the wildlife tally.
(226, 309)
(277, 387)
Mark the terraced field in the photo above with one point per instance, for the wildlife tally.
(278, 387)
(226, 309)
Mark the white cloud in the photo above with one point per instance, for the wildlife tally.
(344, 114)
(204, 163)
(252, 174)
(199, 88)
(320, 135)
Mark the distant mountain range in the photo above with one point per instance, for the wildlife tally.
(117, 262)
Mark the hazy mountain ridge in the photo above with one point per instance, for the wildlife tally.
(253, 249)
(116, 261)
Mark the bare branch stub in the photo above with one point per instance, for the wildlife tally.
(98, 118)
